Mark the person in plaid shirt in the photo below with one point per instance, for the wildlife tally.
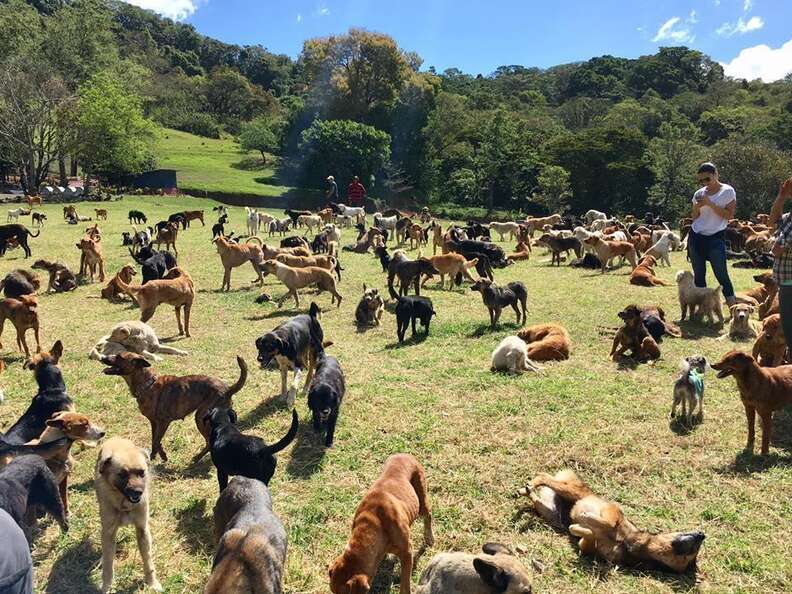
(782, 253)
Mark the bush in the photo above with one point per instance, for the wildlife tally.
(200, 124)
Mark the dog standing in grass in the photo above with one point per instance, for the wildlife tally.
(689, 388)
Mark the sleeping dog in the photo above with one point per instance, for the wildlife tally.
(294, 344)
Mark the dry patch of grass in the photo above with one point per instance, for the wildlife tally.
(481, 436)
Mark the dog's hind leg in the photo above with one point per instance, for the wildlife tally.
(150, 356)
(143, 535)
(178, 319)
(108, 551)
(292, 394)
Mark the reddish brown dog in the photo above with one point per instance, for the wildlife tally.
(546, 342)
(382, 525)
(644, 274)
(762, 390)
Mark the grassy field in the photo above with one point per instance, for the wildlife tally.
(480, 436)
(215, 165)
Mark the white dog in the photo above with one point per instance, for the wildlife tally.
(332, 232)
(512, 228)
(252, 221)
(133, 336)
(13, 214)
(358, 212)
(661, 249)
(512, 355)
(674, 241)
(388, 223)
(122, 483)
(594, 215)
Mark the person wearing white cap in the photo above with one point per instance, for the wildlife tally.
(331, 193)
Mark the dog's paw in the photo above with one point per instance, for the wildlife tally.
(154, 584)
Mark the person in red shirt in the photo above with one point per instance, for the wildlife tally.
(356, 192)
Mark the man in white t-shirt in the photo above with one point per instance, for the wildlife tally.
(713, 206)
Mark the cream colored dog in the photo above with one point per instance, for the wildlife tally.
(741, 326)
(300, 278)
(702, 301)
(512, 355)
(122, 485)
(135, 337)
(661, 249)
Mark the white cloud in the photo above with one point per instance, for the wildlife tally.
(747, 5)
(741, 27)
(761, 61)
(178, 10)
(692, 19)
(321, 10)
(669, 31)
(299, 18)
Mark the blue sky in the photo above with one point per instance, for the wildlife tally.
(752, 37)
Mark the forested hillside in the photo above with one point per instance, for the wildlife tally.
(610, 132)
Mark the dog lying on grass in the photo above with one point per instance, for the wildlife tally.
(565, 502)
(113, 292)
(61, 279)
(20, 282)
(511, 355)
(644, 275)
(546, 342)
(134, 337)
(741, 327)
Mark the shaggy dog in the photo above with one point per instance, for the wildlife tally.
(701, 301)
(370, 308)
(689, 388)
(512, 355)
(546, 342)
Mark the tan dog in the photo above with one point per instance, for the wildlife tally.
(770, 348)
(416, 234)
(123, 483)
(319, 261)
(167, 235)
(69, 212)
(762, 390)
(758, 294)
(163, 399)
(741, 326)
(382, 525)
(236, 254)
(299, 278)
(54, 445)
(453, 265)
(701, 301)
(91, 258)
(546, 342)
(534, 223)
(521, 252)
(175, 289)
(437, 237)
(644, 275)
(23, 313)
(641, 241)
(33, 200)
(602, 527)
(192, 215)
(101, 214)
(113, 291)
(607, 250)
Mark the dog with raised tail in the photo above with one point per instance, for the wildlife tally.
(689, 388)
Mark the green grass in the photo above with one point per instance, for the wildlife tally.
(480, 436)
(216, 165)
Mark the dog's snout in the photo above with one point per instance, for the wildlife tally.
(134, 495)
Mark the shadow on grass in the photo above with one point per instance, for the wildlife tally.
(681, 426)
(307, 453)
(695, 330)
(195, 469)
(484, 329)
(265, 408)
(388, 574)
(276, 313)
(71, 572)
(417, 338)
(196, 527)
(250, 164)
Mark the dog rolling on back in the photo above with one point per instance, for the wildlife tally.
(252, 543)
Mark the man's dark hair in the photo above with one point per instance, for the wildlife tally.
(707, 168)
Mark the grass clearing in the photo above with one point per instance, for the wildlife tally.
(480, 436)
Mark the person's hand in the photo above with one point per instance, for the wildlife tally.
(705, 201)
(786, 189)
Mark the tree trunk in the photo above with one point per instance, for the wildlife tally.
(491, 198)
(64, 181)
(263, 158)
(74, 162)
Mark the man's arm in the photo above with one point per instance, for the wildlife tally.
(777, 211)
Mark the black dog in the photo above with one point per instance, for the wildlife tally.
(496, 298)
(408, 271)
(475, 230)
(384, 257)
(319, 243)
(654, 321)
(126, 239)
(409, 309)
(325, 395)
(27, 483)
(218, 229)
(179, 219)
(588, 260)
(18, 232)
(234, 453)
(295, 214)
(293, 241)
(137, 217)
(19, 282)
(496, 255)
(154, 264)
(50, 399)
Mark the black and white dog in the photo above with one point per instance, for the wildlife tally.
(154, 265)
(294, 345)
(325, 395)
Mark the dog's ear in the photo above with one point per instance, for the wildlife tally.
(56, 420)
(232, 415)
(57, 351)
(104, 463)
(491, 574)
(140, 363)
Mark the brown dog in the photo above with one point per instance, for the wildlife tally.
(192, 215)
(546, 342)
(236, 254)
(382, 525)
(644, 275)
(175, 289)
(299, 278)
(567, 502)
(607, 250)
(61, 279)
(166, 398)
(167, 235)
(758, 294)
(23, 313)
(456, 266)
(113, 291)
(634, 337)
(770, 349)
(91, 257)
(762, 390)
(101, 214)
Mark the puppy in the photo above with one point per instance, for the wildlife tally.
(634, 337)
(701, 301)
(741, 326)
(252, 542)
(370, 308)
(512, 355)
(122, 482)
(763, 390)
(546, 342)
(770, 348)
(567, 502)
(689, 388)
(325, 395)
(234, 453)
(494, 572)
(410, 309)
(382, 525)
(496, 298)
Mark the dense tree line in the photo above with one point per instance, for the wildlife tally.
(609, 133)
